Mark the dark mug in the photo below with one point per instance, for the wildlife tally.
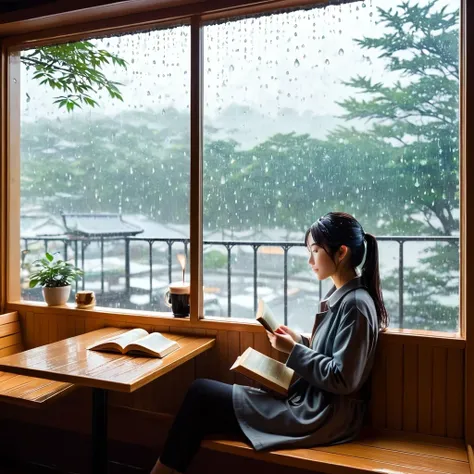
(177, 298)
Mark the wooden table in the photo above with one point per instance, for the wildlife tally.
(69, 361)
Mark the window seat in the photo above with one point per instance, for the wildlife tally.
(376, 451)
(21, 389)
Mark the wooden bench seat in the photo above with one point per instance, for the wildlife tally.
(30, 391)
(384, 452)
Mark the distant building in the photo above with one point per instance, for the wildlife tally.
(98, 225)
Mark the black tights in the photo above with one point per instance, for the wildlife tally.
(206, 409)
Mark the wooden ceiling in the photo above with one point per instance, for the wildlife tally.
(7, 6)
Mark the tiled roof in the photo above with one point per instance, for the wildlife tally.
(104, 224)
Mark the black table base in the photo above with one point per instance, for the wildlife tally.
(99, 431)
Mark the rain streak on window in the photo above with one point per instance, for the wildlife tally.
(333, 109)
(96, 179)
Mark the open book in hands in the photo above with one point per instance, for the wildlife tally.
(137, 342)
(263, 369)
(266, 317)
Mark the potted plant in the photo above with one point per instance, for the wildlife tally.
(55, 276)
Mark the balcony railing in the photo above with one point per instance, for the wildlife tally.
(79, 245)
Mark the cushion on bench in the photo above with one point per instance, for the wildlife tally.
(22, 389)
(376, 451)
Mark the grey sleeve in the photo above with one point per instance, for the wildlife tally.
(341, 373)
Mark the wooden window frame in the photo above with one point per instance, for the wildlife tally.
(46, 26)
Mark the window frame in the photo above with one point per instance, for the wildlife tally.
(87, 25)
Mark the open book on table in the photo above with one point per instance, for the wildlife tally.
(266, 317)
(137, 342)
(263, 369)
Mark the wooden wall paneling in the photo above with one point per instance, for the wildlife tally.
(233, 340)
(222, 353)
(181, 330)
(29, 334)
(261, 343)
(207, 362)
(91, 324)
(410, 380)
(246, 341)
(120, 399)
(160, 397)
(144, 428)
(455, 394)
(394, 386)
(23, 321)
(63, 326)
(425, 381)
(160, 328)
(410, 387)
(110, 322)
(165, 394)
(71, 326)
(41, 329)
(439, 394)
(53, 328)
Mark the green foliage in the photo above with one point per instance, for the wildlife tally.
(415, 122)
(74, 70)
(214, 260)
(52, 272)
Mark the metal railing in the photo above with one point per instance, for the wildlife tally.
(81, 244)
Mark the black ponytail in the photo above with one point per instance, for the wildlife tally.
(339, 228)
(371, 279)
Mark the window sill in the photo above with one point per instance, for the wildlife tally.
(405, 336)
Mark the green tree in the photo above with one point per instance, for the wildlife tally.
(415, 124)
(74, 70)
(124, 165)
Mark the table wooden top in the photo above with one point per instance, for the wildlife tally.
(69, 361)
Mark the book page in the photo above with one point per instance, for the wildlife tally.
(266, 317)
(266, 367)
(126, 338)
(155, 342)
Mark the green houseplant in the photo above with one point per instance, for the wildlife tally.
(55, 277)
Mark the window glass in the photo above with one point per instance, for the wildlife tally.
(105, 163)
(351, 108)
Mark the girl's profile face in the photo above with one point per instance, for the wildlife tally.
(319, 260)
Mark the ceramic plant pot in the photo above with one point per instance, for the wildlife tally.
(56, 296)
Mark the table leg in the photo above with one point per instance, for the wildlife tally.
(99, 431)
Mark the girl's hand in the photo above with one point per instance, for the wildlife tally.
(286, 330)
(281, 341)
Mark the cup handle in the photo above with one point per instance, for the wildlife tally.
(167, 299)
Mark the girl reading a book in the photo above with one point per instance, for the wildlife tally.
(327, 403)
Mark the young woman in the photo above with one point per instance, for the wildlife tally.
(326, 405)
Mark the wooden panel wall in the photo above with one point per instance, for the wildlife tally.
(418, 387)
(417, 383)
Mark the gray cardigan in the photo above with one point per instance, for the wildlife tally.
(326, 405)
